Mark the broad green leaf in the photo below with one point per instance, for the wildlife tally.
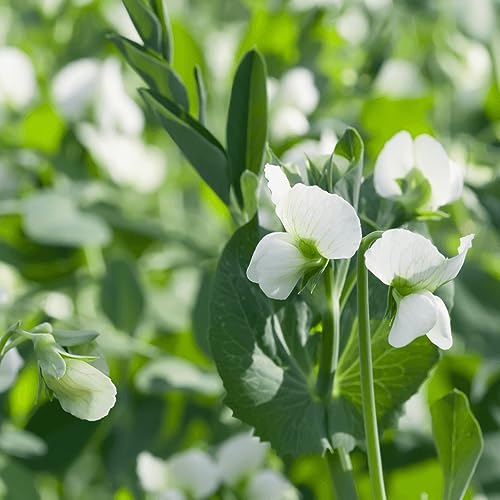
(156, 72)
(160, 9)
(70, 338)
(265, 357)
(200, 147)
(459, 442)
(122, 296)
(170, 373)
(146, 23)
(347, 168)
(398, 373)
(247, 118)
(53, 219)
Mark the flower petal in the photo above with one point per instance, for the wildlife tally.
(440, 334)
(456, 182)
(9, 368)
(394, 162)
(310, 213)
(277, 182)
(276, 265)
(431, 159)
(83, 391)
(400, 253)
(417, 314)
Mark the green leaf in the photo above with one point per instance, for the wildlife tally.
(146, 23)
(18, 481)
(459, 442)
(70, 338)
(247, 118)
(347, 166)
(156, 72)
(53, 219)
(170, 373)
(43, 129)
(398, 373)
(202, 98)
(199, 146)
(265, 358)
(160, 9)
(122, 296)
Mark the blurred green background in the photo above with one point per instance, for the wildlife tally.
(104, 225)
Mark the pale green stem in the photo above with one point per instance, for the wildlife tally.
(366, 369)
(341, 477)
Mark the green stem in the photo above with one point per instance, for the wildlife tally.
(330, 339)
(342, 481)
(366, 369)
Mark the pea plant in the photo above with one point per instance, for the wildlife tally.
(323, 328)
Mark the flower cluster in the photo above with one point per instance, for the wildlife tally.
(320, 226)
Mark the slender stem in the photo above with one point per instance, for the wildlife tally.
(366, 369)
(330, 340)
(343, 484)
(8, 334)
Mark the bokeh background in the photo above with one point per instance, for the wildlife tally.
(104, 225)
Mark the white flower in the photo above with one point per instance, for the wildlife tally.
(83, 390)
(401, 154)
(9, 368)
(415, 268)
(318, 226)
(399, 78)
(127, 160)
(18, 85)
(152, 473)
(270, 485)
(239, 457)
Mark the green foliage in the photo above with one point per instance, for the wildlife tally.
(459, 442)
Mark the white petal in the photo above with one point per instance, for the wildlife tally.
(83, 391)
(288, 121)
(194, 472)
(450, 268)
(431, 159)
(268, 484)
(152, 472)
(239, 457)
(277, 182)
(310, 213)
(276, 265)
(9, 368)
(394, 162)
(456, 181)
(440, 334)
(404, 254)
(297, 89)
(417, 314)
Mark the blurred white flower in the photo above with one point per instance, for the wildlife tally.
(117, 16)
(220, 58)
(377, 4)
(152, 473)
(18, 86)
(410, 264)
(90, 83)
(399, 78)
(319, 226)
(9, 369)
(353, 25)
(127, 160)
(477, 18)
(416, 416)
(270, 485)
(402, 154)
(239, 457)
(291, 99)
(309, 4)
(58, 305)
(10, 283)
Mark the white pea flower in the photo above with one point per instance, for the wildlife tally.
(402, 155)
(239, 457)
(270, 485)
(414, 268)
(9, 368)
(319, 226)
(18, 86)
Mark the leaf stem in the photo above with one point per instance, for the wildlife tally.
(366, 370)
(341, 478)
(330, 338)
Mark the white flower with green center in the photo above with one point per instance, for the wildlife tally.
(404, 163)
(414, 268)
(318, 226)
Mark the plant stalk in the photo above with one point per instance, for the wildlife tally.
(366, 369)
(342, 481)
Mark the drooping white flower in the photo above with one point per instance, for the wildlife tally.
(239, 457)
(83, 390)
(127, 160)
(18, 85)
(318, 225)
(402, 154)
(270, 485)
(415, 268)
(9, 368)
